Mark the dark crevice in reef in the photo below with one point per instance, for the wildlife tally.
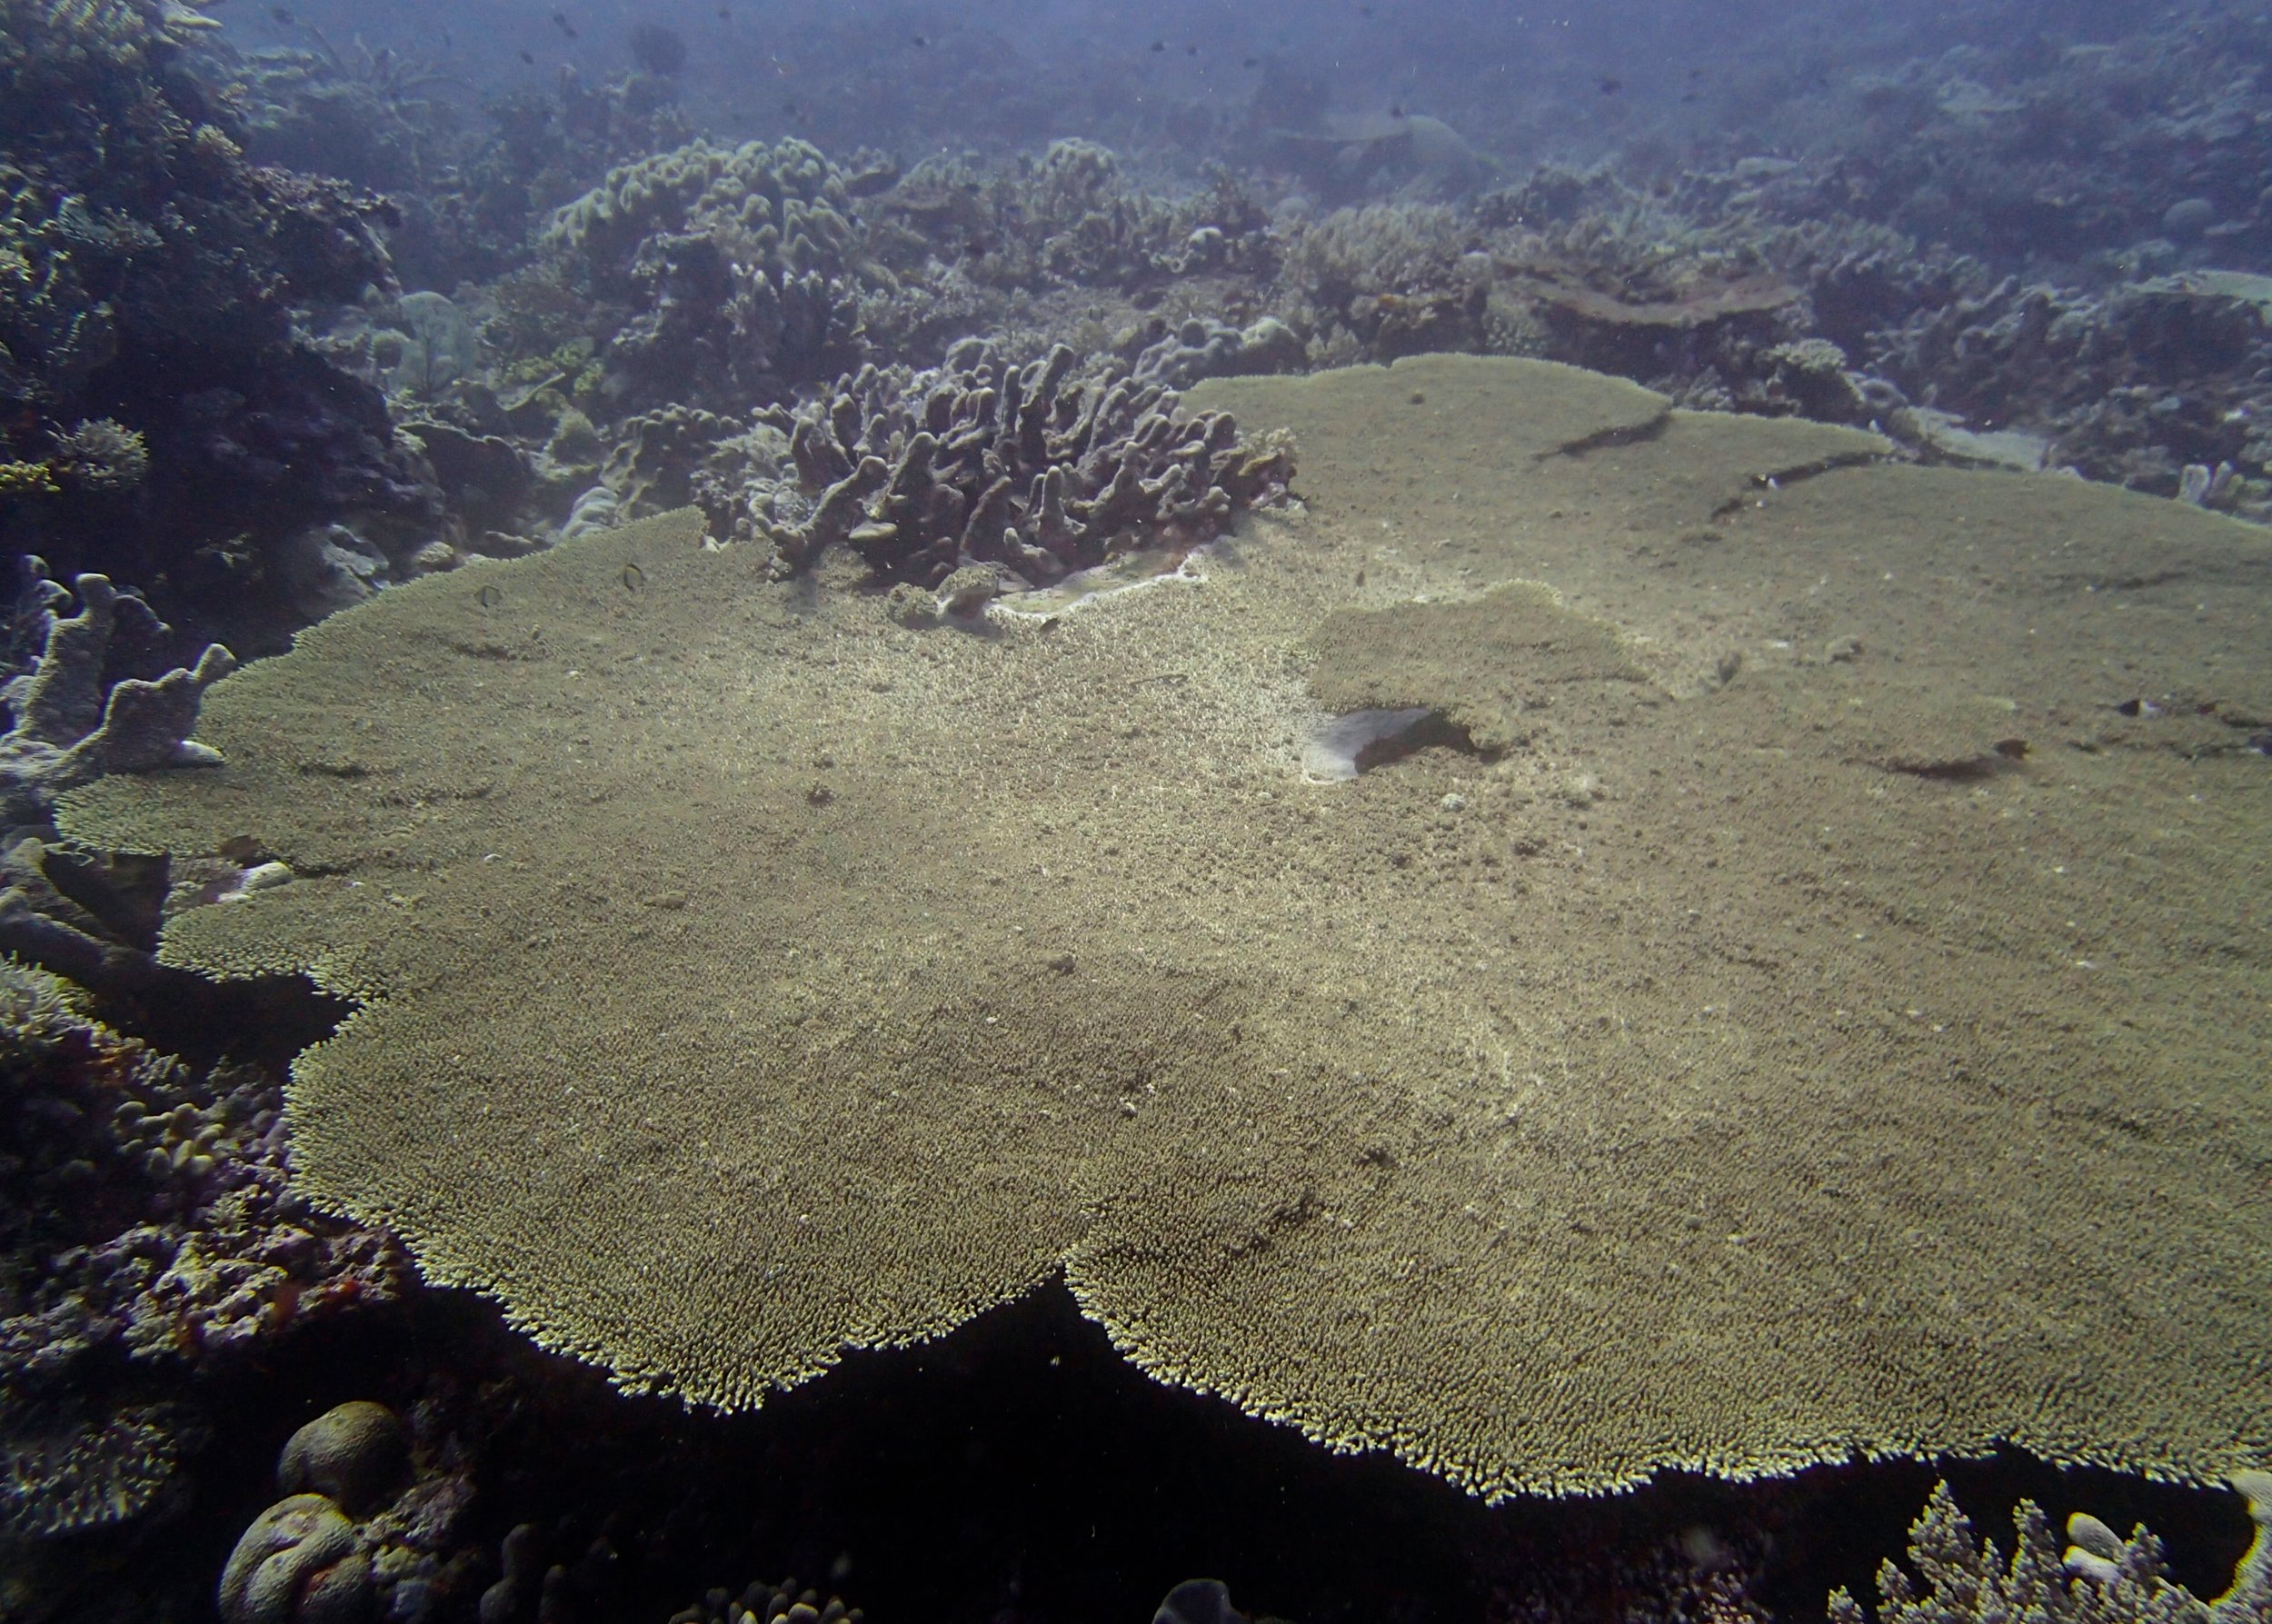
(263, 1022)
(1434, 731)
(1780, 478)
(1021, 1465)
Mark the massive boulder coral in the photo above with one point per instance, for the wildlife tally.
(1042, 470)
(1667, 1073)
(370, 1525)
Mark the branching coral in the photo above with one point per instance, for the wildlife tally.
(70, 731)
(1041, 470)
(2100, 1578)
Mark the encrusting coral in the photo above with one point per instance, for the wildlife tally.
(147, 1233)
(1665, 1075)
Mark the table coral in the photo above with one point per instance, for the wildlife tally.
(1668, 1077)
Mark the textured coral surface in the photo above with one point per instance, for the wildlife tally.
(1730, 1069)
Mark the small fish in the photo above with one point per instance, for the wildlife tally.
(918, 41)
(725, 12)
(560, 21)
(1396, 110)
(1364, 11)
(1251, 61)
(1159, 46)
(792, 109)
(283, 14)
(528, 57)
(1191, 50)
(1610, 86)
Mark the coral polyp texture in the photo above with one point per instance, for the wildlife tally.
(1737, 1037)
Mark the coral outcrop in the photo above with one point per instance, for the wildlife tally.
(69, 727)
(1042, 470)
(164, 421)
(148, 1233)
(734, 264)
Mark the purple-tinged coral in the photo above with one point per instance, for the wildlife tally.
(1040, 469)
(147, 1230)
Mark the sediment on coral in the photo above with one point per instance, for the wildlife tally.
(1053, 975)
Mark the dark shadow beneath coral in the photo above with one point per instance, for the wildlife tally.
(264, 1023)
(1020, 1470)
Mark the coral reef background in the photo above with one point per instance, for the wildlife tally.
(299, 302)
